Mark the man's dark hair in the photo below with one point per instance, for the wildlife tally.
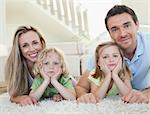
(119, 9)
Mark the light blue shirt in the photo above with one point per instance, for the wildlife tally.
(139, 65)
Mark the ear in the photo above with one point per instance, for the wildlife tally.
(137, 25)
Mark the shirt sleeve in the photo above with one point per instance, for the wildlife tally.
(67, 82)
(90, 62)
(94, 80)
(36, 83)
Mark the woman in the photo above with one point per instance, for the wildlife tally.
(27, 43)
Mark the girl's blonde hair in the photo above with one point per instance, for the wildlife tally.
(124, 72)
(43, 54)
(16, 70)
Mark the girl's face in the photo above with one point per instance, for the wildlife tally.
(30, 45)
(51, 64)
(110, 56)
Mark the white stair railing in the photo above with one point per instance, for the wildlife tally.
(69, 12)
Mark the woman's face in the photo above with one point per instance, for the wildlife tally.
(30, 45)
(52, 64)
(110, 55)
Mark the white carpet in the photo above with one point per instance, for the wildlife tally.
(110, 105)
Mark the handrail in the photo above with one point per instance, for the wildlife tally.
(71, 13)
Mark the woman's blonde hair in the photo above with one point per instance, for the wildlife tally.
(124, 72)
(43, 54)
(16, 70)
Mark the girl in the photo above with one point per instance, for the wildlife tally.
(27, 43)
(111, 73)
(52, 79)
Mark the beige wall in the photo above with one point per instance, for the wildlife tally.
(141, 8)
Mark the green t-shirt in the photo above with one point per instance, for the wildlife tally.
(50, 90)
(112, 92)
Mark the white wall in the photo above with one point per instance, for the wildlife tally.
(141, 8)
(2, 23)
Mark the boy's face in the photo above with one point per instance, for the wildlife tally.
(123, 30)
(110, 56)
(51, 64)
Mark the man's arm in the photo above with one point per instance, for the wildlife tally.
(147, 93)
(83, 85)
(136, 96)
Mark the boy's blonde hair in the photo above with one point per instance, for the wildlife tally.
(124, 72)
(43, 54)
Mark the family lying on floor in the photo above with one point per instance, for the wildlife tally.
(121, 67)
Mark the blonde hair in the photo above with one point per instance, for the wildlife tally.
(124, 72)
(43, 54)
(16, 70)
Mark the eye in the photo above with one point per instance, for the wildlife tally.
(105, 57)
(35, 42)
(25, 45)
(56, 63)
(127, 25)
(114, 29)
(46, 63)
(115, 56)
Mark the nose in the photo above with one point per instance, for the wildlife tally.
(51, 66)
(31, 48)
(111, 59)
(122, 32)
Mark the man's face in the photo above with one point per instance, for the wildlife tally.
(123, 30)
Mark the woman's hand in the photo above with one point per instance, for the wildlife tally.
(24, 100)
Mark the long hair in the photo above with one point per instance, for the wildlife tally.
(16, 70)
(43, 54)
(119, 9)
(124, 73)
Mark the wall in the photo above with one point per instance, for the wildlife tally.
(141, 8)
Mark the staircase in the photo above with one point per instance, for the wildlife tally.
(72, 14)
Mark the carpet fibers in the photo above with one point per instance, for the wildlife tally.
(110, 105)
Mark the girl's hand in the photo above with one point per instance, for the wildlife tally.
(104, 67)
(118, 67)
(44, 75)
(57, 74)
(57, 98)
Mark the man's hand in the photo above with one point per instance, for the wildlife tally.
(87, 98)
(135, 97)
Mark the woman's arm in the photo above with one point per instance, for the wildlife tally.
(23, 100)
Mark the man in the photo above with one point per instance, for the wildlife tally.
(122, 25)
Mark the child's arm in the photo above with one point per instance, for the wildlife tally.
(65, 92)
(100, 91)
(37, 94)
(123, 86)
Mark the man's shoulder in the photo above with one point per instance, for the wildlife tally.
(144, 37)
